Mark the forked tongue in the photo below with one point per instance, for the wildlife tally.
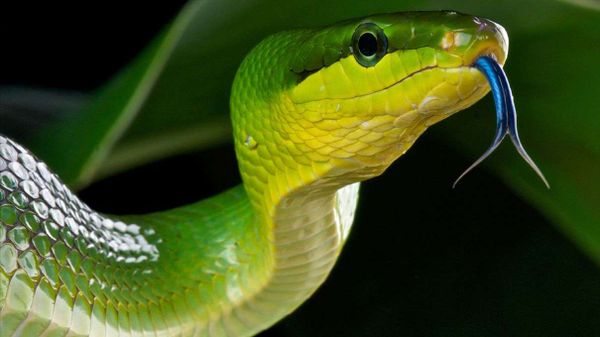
(506, 115)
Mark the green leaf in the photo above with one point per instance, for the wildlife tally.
(82, 143)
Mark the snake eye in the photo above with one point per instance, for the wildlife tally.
(369, 44)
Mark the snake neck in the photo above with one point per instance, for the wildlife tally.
(307, 224)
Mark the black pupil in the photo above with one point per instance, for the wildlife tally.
(367, 44)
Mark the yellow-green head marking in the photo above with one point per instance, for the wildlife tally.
(345, 101)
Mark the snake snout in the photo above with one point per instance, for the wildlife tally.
(490, 40)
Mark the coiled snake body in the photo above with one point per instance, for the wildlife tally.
(314, 113)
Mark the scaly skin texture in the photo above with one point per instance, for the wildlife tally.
(310, 123)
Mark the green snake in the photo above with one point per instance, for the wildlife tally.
(314, 113)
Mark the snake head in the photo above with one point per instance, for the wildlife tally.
(349, 99)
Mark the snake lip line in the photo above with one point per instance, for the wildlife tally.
(407, 77)
(376, 91)
(424, 69)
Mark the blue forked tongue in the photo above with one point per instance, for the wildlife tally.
(506, 115)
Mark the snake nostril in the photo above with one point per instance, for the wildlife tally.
(482, 24)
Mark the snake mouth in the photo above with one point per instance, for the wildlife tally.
(399, 82)
(495, 52)
(388, 87)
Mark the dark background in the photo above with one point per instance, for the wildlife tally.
(422, 259)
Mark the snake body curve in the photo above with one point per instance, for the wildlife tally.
(314, 113)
